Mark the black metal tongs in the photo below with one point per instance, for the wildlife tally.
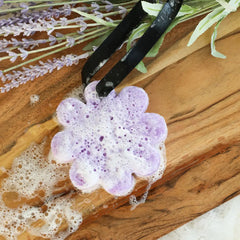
(136, 53)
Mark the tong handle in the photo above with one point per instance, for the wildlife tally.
(140, 49)
(113, 42)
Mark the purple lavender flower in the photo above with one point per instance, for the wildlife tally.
(109, 6)
(98, 14)
(70, 41)
(25, 7)
(24, 53)
(25, 43)
(13, 56)
(30, 17)
(109, 139)
(122, 10)
(18, 78)
(95, 6)
(52, 40)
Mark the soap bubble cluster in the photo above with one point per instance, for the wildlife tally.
(31, 173)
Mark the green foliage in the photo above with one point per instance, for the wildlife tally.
(214, 52)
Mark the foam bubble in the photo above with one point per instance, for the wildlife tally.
(77, 93)
(34, 98)
(133, 201)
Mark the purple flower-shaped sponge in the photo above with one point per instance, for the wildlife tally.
(108, 139)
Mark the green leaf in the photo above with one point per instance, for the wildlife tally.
(214, 52)
(185, 10)
(230, 6)
(151, 8)
(234, 4)
(141, 67)
(212, 18)
(96, 42)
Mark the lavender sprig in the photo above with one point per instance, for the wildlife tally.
(54, 4)
(34, 16)
(30, 23)
(24, 43)
(18, 78)
(70, 41)
(41, 25)
(91, 35)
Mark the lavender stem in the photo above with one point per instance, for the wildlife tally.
(99, 32)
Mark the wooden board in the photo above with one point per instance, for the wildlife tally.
(199, 97)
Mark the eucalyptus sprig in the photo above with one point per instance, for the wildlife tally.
(216, 11)
(214, 17)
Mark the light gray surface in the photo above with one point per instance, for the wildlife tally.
(221, 223)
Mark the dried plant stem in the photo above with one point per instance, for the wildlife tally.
(93, 33)
(97, 33)
(11, 10)
(78, 26)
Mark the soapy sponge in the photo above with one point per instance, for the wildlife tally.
(109, 139)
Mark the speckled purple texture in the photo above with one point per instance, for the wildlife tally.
(108, 139)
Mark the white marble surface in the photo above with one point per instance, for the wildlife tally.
(221, 223)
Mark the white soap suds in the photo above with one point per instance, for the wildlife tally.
(152, 179)
(133, 199)
(31, 173)
(34, 98)
(58, 212)
(159, 173)
(77, 93)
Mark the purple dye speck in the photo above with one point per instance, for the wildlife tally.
(101, 138)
